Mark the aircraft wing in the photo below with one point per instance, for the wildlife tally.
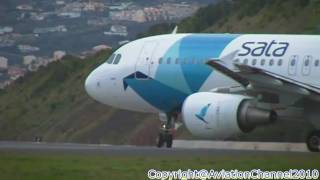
(257, 80)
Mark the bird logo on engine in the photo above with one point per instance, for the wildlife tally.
(203, 112)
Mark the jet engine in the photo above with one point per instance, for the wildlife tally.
(216, 115)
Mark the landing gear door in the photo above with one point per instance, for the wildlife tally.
(292, 66)
(145, 59)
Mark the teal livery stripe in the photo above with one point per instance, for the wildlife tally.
(174, 82)
(157, 94)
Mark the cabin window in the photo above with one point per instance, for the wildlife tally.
(236, 61)
(316, 63)
(254, 62)
(245, 61)
(306, 62)
(177, 61)
(280, 62)
(185, 61)
(194, 61)
(293, 62)
(271, 62)
(263, 61)
(110, 59)
(169, 60)
(117, 59)
(160, 60)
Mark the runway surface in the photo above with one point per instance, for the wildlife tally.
(117, 150)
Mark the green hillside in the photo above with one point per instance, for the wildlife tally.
(251, 16)
(52, 103)
(272, 16)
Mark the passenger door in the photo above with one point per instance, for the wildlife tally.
(306, 67)
(144, 60)
(292, 66)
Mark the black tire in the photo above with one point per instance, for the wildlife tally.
(160, 141)
(169, 140)
(313, 141)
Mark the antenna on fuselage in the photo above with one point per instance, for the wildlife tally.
(175, 30)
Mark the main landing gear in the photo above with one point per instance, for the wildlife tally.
(313, 141)
(166, 132)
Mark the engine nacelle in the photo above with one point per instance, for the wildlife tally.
(216, 115)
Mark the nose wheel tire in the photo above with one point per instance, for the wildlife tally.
(169, 140)
(165, 138)
(160, 140)
(167, 130)
(313, 141)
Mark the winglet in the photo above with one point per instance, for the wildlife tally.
(175, 30)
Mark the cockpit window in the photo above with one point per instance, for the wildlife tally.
(110, 59)
(117, 59)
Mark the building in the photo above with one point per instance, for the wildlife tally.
(154, 14)
(179, 10)
(37, 63)
(25, 7)
(16, 72)
(57, 55)
(4, 84)
(33, 66)
(119, 7)
(98, 22)
(101, 47)
(6, 29)
(27, 48)
(27, 60)
(70, 14)
(128, 15)
(60, 28)
(117, 30)
(139, 16)
(3, 63)
(82, 6)
(60, 2)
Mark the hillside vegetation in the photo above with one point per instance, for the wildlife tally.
(251, 16)
(52, 103)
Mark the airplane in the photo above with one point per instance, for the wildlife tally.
(220, 85)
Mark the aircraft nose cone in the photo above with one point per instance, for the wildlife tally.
(90, 86)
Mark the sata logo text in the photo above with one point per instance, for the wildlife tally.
(273, 48)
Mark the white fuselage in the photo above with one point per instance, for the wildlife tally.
(156, 74)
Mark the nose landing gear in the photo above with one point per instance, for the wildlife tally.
(166, 132)
(165, 136)
(313, 141)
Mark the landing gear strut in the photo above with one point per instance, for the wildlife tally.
(166, 132)
(313, 141)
